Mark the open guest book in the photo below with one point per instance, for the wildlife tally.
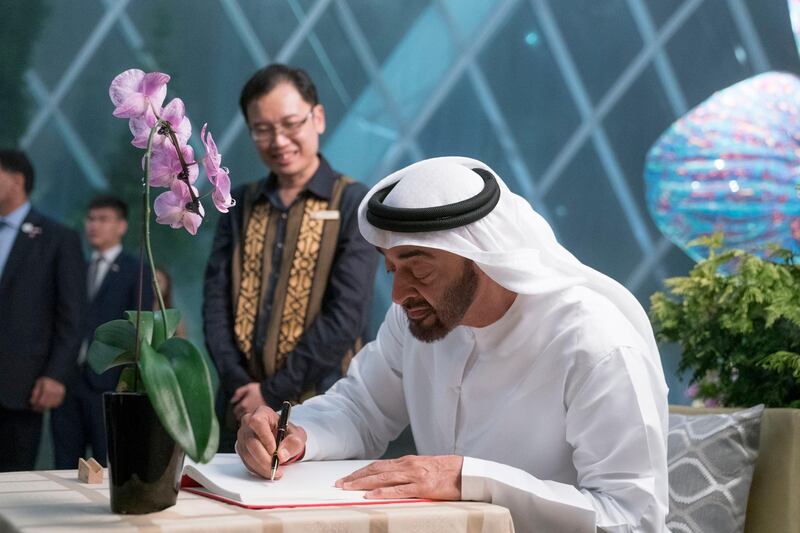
(304, 484)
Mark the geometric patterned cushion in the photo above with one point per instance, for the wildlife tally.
(710, 458)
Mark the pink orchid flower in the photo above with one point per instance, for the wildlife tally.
(171, 208)
(165, 166)
(222, 192)
(174, 113)
(140, 127)
(217, 174)
(212, 159)
(133, 91)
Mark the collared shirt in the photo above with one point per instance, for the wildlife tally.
(556, 408)
(10, 230)
(109, 256)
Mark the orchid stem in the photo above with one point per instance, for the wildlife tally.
(184, 175)
(159, 123)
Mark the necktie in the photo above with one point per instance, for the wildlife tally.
(94, 279)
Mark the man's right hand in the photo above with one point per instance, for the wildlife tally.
(256, 441)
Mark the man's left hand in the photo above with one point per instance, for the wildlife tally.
(247, 399)
(47, 393)
(437, 477)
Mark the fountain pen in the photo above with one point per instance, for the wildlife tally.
(283, 421)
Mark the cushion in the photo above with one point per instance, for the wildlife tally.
(710, 458)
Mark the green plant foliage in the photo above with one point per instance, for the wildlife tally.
(129, 381)
(151, 325)
(742, 328)
(114, 344)
(179, 380)
(180, 388)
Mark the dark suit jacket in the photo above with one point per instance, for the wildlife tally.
(42, 307)
(118, 293)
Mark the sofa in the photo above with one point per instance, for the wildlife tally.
(773, 504)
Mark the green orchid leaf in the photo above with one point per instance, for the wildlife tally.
(151, 325)
(145, 324)
(128, 381)
(173, 318)
(212, 369)
(178, 381)
(114, 344)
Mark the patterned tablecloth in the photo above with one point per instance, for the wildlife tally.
(57, 501)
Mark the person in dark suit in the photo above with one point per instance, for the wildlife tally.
(42, 301)
(113, 288)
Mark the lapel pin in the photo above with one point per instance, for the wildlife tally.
(30, 230)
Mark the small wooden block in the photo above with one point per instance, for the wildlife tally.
(90, 471)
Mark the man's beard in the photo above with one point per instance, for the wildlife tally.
(456, 300)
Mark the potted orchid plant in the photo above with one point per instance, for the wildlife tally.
(164, 403)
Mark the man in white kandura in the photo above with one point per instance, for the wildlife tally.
(529, 380)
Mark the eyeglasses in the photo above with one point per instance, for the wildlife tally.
(266, 133)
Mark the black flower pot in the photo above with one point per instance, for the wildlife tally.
(144, 462)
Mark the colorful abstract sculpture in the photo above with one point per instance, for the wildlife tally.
(732, 165)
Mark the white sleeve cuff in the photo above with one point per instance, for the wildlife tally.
(312, 445)
(473, 480)
(536, 505)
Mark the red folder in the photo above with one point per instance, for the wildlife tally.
(190, 485)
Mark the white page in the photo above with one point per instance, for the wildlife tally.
(302, 483)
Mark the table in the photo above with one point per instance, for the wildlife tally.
(56, 501)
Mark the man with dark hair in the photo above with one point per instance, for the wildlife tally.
(113, 288)
(289, 280)
(42, 294)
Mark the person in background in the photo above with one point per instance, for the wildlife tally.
(289, 280)
(42, 307)
(113, 288)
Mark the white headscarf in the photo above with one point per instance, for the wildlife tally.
(513, 244)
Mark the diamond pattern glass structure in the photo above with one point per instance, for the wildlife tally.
(563, 98)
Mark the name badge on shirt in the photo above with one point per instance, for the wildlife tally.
(325, 214)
